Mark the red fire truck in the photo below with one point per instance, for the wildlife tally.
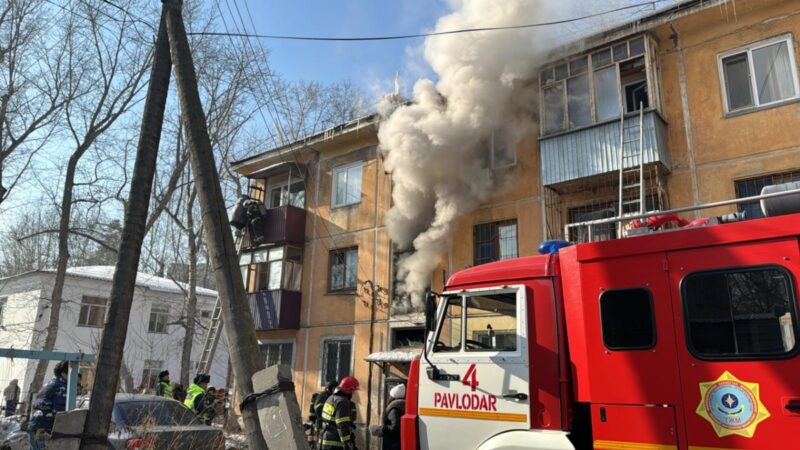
(676, 339)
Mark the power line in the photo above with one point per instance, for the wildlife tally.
(652, 4)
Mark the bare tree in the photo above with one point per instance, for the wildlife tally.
(107, 75)
(34, 68)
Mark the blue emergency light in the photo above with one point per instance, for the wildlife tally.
(548, 247)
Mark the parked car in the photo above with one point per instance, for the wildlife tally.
(147, 422)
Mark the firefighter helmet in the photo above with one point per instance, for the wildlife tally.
(348, 384)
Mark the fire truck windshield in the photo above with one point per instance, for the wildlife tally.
(478, 322)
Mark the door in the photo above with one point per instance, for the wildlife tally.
(480, 386)
(736, 307)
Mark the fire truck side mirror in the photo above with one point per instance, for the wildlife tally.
(430, 311)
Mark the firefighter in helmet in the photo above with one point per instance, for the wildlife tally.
(315, 412)
(338, 414)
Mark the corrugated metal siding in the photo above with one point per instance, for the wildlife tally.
(281, 224)
(595, 150)
(273, 310)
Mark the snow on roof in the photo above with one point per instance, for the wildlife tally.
(394, 356)
(145, 280)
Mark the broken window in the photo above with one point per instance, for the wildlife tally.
(759, 75)
(503, 153)
(596, 87)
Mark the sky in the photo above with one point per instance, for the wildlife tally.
(371, 65)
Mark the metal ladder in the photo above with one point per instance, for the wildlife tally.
(215, 327)
(631, 166)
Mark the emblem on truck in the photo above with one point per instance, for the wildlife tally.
(731, 406)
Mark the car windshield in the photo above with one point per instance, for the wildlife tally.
(155, 413)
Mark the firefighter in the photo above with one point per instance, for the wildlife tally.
(338, 417)
(164, 387)
(196, 394)
(315, 411)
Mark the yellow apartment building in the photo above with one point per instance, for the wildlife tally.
(706, 91)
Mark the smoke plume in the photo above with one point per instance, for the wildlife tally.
(437, 146)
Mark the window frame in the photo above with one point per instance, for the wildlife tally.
(497, 224)
(3, 304)
(652, 319)
(786, 176)
(591, 69)
(493, 156)
(165, 312)
(748, 50)
(150, 373)
(322, 358)
(284, 186)
(749, 357)
(344, 168)
(293, 342)
(524, 296)
(104, 306)
(343, 251)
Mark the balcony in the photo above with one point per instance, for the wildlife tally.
(284, 224)
(595, 149)
(275, 310)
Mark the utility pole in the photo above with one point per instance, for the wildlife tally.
(109, 359)
(242, 342)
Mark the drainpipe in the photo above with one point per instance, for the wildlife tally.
(687, 118)
(374, 296)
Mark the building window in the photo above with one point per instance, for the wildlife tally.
(740, 313)
(604, 210)
(272, 269)
(613, 76)
(282, 195)
(205, 314)
(347, 185)
(159, 316)
(503, 153)
(752, 186)
(93, 311)
(626, 316)
(278, 353)
(759, 75)
(495, 241)
(408, 338)
(3, 302)
(336, 359)
(150, 373)
(343, 269)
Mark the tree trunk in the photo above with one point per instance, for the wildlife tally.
(191, 293)
(242, 342)
(122, 288)
(51, 332)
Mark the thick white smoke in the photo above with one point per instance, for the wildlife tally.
(437, 146)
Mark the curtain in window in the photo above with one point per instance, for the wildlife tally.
(773, 73)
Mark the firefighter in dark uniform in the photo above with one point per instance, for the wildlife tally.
(315, 410)
(338, 415)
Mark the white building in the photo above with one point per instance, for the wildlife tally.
(154, 341)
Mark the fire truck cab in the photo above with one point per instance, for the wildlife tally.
(681, 339)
